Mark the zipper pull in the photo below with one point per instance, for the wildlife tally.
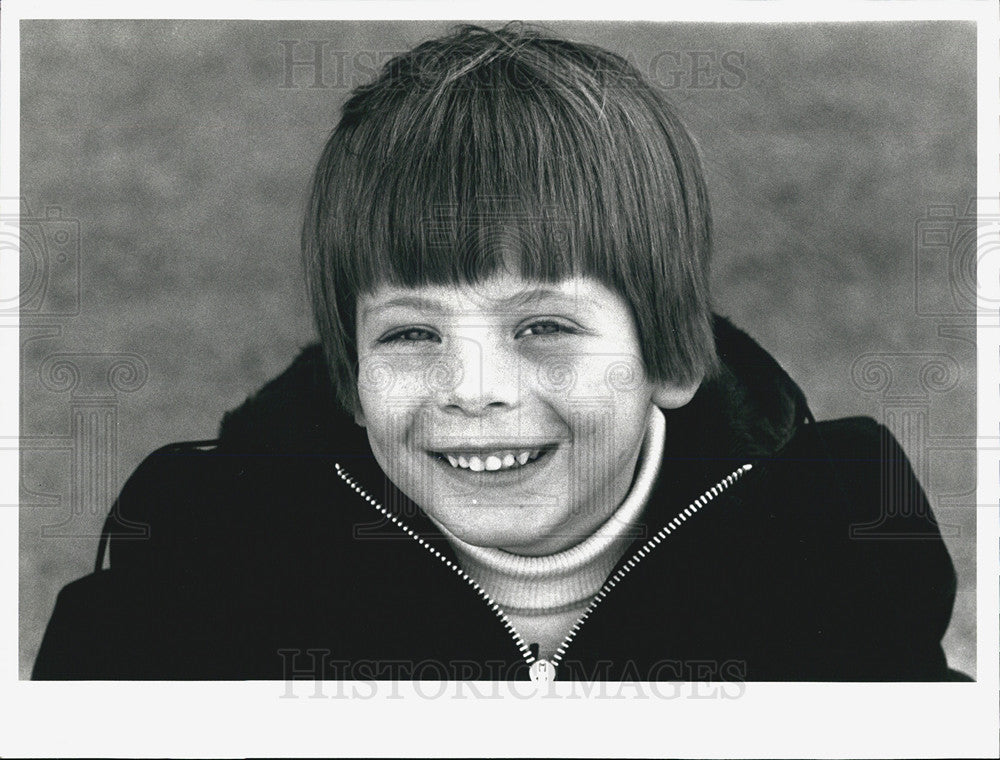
(542, 671)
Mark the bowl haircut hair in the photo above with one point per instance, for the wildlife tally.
(510, 149)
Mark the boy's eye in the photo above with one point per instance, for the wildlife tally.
(545, 327)
(410, 335)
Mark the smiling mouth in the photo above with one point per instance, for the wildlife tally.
(491, 461)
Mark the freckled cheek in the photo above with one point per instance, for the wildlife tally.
(394, 398)
(399, 379)
(605, 402)
(596, 376)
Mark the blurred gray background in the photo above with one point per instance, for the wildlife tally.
(163, 173)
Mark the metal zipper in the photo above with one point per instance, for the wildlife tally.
(645, 549)
(542, 669)
(525, 650)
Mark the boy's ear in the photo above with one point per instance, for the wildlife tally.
(669, 395)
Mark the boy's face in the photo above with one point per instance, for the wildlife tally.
(512, 412)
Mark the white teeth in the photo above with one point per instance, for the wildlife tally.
(498, 460)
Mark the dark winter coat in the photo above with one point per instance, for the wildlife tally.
(264, 554)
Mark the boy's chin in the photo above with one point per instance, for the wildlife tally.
(524, 536)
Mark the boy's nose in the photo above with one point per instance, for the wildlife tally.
(477, 377)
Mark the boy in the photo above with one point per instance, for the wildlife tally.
(525, 447)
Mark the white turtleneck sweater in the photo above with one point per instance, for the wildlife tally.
(544, 596)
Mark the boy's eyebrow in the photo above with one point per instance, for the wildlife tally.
(414, 302)
(522, 298)
(535, 294)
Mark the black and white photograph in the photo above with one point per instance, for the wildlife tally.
(632, 360)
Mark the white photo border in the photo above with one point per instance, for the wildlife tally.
(255, 719)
